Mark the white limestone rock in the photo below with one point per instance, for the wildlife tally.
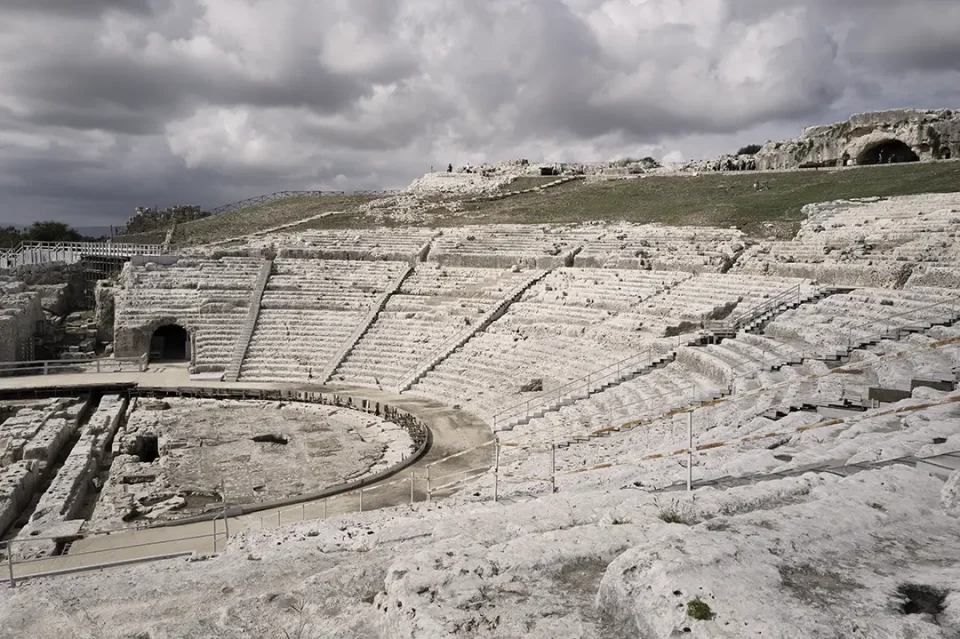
(950, 495)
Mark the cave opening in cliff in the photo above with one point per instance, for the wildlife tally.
(888, 152)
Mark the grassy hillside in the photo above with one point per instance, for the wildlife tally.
(252, 219)
(711, 199)
(715, 199)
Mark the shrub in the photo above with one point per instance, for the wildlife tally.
(672, 513)
(699, 610)
(750, 149)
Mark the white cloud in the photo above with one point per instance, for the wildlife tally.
(207, 98)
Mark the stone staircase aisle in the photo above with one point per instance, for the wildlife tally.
(364, 325)
(232, 372)
(451, 345)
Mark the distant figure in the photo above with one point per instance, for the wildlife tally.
(449, 168)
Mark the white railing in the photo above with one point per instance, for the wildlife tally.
(62, 366)
(45, 252)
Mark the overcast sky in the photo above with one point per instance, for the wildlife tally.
(110, 104)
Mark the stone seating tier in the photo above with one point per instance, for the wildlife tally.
(653, 393)
(838, 320)
(434, 305)
(309, 309)
(486, 374)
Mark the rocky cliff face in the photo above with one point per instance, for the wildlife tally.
(870, 138)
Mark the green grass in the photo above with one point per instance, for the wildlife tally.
(710, 199)
(254, 218)
(714, 199)
(529, 182)
(149, 237)
(699, 610)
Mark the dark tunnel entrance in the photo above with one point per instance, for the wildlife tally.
(169, 343)
(888, 152)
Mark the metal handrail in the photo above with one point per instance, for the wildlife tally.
(950, 301)
(50, 366)
(759, 309)
(693, 386)
(556, 393)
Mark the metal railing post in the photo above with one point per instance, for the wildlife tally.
(13, 583)
(278, 518)
(553, 468)
(428, 484)
(361, 500)
(226, 526)
(690, 451)
(324, 508)
(496, 472)
(214, 534)
(413, 477)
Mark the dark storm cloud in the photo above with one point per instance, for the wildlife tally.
(76, 8)
(128, 102)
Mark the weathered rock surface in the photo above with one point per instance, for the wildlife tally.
(929, 134)
(813, 556)
(950, 495)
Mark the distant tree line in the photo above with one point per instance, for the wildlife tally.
(47, 231)
(750, 149)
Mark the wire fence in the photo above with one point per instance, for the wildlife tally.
(100, 549)
(65, 366)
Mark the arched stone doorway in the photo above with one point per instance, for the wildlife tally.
(887, 152)
(170, 343)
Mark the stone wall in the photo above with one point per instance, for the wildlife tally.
(20, 312)
(104, 295)
(930, 134)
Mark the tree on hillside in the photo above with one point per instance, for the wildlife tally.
(50, 231)
(750, 149)
(45, 231)
(10, 236)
